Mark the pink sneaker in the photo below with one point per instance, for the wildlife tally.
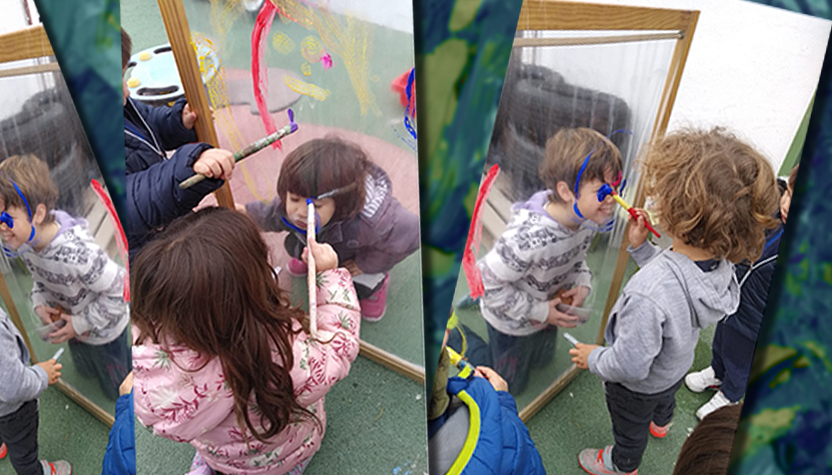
(599, 462)
(374, 306)
(3, 451)
(658, 432)
(58, 467)
(296, 267)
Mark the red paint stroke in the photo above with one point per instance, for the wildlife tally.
(326, 61)
(472, 246)
(121, 239)
(259, 70)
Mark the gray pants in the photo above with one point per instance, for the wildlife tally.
(19, 431)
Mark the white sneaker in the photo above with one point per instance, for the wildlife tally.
(719, 400)
(702, 380)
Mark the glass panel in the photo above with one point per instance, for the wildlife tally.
(58, 266)
(605, 87)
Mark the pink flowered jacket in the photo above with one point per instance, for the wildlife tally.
(198, 408)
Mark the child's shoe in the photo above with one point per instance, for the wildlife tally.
(374, 306)
(296, 267)
(658, 432)
(599, 462)
(199, 466)
(58, 467)
(719, 400)
(3, 451)
(702, 380)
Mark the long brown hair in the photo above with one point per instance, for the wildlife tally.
(205, 283)
(707, 450)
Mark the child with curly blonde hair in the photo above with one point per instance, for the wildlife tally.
(715, 198)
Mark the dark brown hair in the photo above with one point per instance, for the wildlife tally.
(32, 176)
(205, 283)
(707, 450)
(565, 155)
(126, 49)
(323, 165)
(793, 178)
(713, 191)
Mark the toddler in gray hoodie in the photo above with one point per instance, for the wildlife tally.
(715, 197)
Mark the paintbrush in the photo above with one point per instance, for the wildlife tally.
(311, 273)
(250, 150)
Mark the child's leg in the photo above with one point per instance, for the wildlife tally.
(19, 431)
(544, 346)
(511, 357)
(665, 405)
(737, 355)
(109, 363)
(631, 414)
(80, 358)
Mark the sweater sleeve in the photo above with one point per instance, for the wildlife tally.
(166, 123)
(105, 278)
(18, 382)
(638, 340)
(644, 253)
(396, 238)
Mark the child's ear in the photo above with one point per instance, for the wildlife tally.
(40, 214)
(564, 192)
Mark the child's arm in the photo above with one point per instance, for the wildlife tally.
(267, 215)
(641, 250)
(396, 236)
(106, 278)
(638, 340)
(18, 382)
(166, 122)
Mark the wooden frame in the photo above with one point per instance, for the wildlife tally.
(548, 15)
(178, 31)
(33, 43)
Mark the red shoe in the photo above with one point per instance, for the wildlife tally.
(374, 306)
(3, 451)
(58, 467)
(297, 268)
(658, 432)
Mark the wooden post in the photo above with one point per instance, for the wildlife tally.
(179, 35)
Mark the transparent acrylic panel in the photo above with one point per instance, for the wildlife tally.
(38, 117)
(606, 87)
(342, 67)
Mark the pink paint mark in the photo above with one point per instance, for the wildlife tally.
(326, 61)
(472, 246)
(121, 239)
(259, 71)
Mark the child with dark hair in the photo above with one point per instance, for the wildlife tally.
(75, 281)
(715, 196)
(539, 261)
(253, 412)
(707, 450)
(735, 338)
(357, 213)
(154, 199)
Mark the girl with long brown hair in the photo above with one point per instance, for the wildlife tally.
(222, 361)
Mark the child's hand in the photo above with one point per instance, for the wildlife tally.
(53, 370)
(578, 295)
(325, 256)
(560, 319)
(495, 379)
(126, 385)
(65, 333)
(215, 163)
(188, 117)
(353, 268)
(45, 313)
(581, 353)
(638, 231)
(241, 208)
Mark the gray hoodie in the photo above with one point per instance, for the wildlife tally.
(19, 382)
(654, 325)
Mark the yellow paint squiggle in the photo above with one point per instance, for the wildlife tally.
(282, 43)
(311, 49)
(306, 89)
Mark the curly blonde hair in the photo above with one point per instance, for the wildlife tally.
(713, 191)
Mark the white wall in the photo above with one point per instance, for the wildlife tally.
(751, 68)
(394, 14)
(15, 91)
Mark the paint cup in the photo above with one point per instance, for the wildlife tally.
(44, 331)
(583, 314)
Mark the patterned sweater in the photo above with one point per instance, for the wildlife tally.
(534, 258)
(182, 400)
(74, 272)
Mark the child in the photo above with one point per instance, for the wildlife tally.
(735, 338)
(74, 280)
(707, 450)
(120, 457)
(154, 199)
(715, 196)
(258, 411)
(503, 444)
(368, 228)
(20, 386)
(543, 252)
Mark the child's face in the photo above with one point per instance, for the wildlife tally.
(124, 90)
(592, 209)
(785, 202)
(19, 235)
(296, 209)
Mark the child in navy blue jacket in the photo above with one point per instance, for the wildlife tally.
(154, 199)
(735, 338)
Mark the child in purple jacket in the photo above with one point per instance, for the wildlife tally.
(357, 215)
